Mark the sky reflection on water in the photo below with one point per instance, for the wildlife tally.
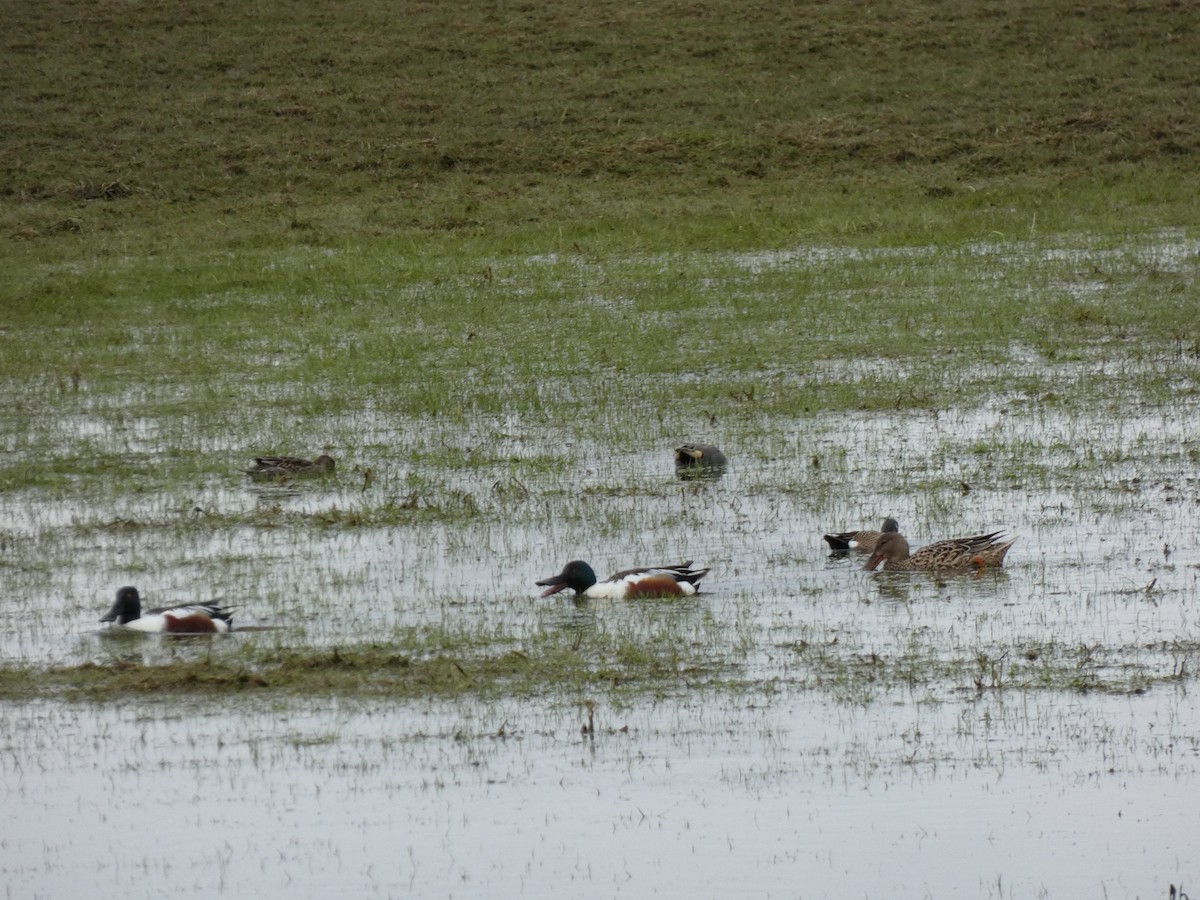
(798, 797)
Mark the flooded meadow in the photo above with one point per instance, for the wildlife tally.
(800, 728)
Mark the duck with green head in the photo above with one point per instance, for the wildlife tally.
(648, 581)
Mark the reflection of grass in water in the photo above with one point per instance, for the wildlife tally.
(933, 673)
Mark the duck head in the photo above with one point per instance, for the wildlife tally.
(576, 575)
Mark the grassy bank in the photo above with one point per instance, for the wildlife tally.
(144, 127)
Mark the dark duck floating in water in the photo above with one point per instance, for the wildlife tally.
(266, 467)
(699, 461)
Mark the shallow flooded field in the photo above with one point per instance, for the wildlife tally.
(793, 795)
(807, 728)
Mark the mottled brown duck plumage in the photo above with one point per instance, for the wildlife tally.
(290, 466)
(962, 554)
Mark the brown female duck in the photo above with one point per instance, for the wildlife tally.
(290, 467)
(962, 554)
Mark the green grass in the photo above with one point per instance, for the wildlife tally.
(431, 664)
(152, 128)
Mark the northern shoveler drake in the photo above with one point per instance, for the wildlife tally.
(651, 581)
(184, 618)
(698, 460)
(290, 466)
(976, 552)
(864, 541)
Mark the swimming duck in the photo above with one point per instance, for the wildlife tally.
(650, 581)
(184, 618)
(290, 466)
(699, 460)
(864, 541)
(978, 551)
